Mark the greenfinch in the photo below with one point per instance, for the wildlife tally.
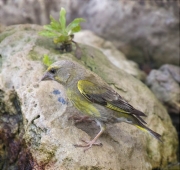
(94, 98)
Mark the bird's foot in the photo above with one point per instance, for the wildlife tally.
(79, 119)
(88, 144)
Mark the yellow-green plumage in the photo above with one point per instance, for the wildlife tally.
(94, 98)
(91, 88)
(82, 105)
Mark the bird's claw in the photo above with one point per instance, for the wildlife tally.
(88, 144)
(95, 143)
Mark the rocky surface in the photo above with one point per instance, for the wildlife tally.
(115, 56)
(49, 135)
(14, 153)
(165, 85)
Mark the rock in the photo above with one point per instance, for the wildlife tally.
(165, 85)
(49, 135)
(2, 27)
(115, 56)
(13, 150)
(145, 31)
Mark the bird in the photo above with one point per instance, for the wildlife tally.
(94, 98)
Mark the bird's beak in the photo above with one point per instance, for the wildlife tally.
(47, 76)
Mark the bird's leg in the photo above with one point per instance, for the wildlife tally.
(83, 119)
(74, 117)
(89, 144)
(79, 119)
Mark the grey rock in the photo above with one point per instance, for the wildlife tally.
(45, 110)
(165, 85)
(173, 70)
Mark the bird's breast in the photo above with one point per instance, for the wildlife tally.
(82, 104)
(90, 109)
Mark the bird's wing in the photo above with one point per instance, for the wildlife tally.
(106, 96)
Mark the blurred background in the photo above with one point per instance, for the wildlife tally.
(144, 31)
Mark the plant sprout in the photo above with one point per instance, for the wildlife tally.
(60, 32)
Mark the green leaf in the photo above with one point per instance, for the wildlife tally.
(55, 24)
(48, 27)
(76, 29)
(62, 18)
(61, 39)
(48, 34)
(75, 23)
(47, 61)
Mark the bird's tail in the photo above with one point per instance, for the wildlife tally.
(139, 123)
(151, 132)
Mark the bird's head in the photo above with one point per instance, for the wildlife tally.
(59, 71)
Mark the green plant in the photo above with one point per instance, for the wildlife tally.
(47, 61)
(60, 32)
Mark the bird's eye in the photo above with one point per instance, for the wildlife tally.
(53, 71)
